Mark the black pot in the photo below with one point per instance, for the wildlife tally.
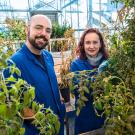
(65, 93)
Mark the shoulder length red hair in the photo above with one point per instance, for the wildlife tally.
(80, 49)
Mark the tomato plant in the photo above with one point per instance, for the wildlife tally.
(114, 89)
(17, 102)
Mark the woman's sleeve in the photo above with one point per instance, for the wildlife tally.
(74, 66)
(103, 66)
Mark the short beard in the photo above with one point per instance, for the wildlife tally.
(35, 45)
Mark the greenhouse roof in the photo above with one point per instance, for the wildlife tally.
(77, 13)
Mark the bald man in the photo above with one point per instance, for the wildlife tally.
(37, 68)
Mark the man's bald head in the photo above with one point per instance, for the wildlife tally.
(39, 17)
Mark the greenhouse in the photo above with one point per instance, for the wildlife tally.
(67, 67)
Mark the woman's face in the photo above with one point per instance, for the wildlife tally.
(92, 44)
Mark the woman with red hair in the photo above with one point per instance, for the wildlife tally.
(91, 53)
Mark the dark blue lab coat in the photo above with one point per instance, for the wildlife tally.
(87, 119)
(44, 80)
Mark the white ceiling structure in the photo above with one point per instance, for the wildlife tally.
(79, 14)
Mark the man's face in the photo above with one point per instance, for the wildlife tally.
(39, 33)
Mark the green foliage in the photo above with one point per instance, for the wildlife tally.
(58, 30)
(114, 89)
(15, 29)
(5, 52)
(17, 95)
(79, 85)
(47, 122)
(66, 61)
(113, 95)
